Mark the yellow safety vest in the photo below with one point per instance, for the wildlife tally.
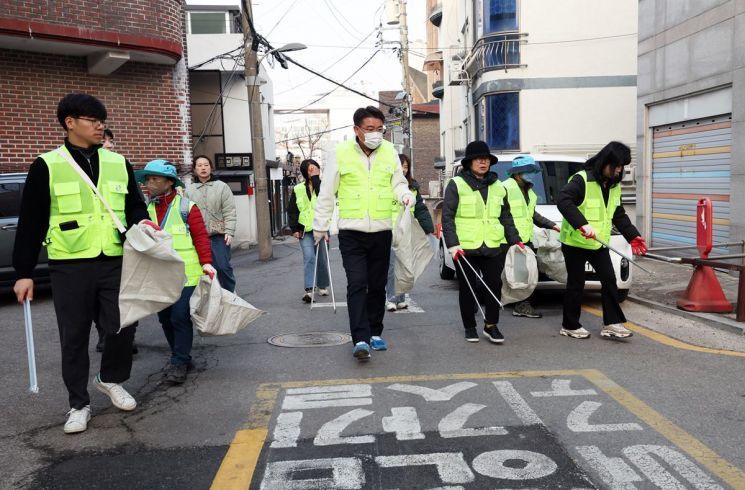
(305, 206)
(80, 227)
(182, 243)
(365, 193)
(596, 212)
(521, 211)
(477, 222)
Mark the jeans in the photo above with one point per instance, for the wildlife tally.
(491, 271)
(221, 262)
(309, 262)
(365, 257)
(84, 292)
(179, 330)
(390, 287)
(575, 259)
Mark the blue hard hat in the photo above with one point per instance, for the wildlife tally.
(523, 164)
(164, 168)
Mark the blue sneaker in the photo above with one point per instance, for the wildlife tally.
(361, 351)
(377, 343)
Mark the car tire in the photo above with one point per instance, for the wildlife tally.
(623, 294)
(445, 272)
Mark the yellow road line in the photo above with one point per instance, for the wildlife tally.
(695, 448)
(237, 468)
(664, 339)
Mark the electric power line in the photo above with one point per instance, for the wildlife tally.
(315, 134)
(335, 88)
(328, 6)
(282, 17)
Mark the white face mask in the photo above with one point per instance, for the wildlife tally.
(373, 140)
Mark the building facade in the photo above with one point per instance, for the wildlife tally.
(691, 118)
(530, 76)
(221, 125)
(132, 56)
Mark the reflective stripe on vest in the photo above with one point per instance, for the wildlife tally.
(397, 206)
(182, 243)
(87, 229)
(365, 193)
(305, 206)
(476, 221)
(596, 212)
(522, 211)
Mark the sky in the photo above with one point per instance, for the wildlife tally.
(341, 35)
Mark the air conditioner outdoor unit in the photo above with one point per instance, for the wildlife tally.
(458, 77)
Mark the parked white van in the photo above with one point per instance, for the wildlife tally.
(555, 173)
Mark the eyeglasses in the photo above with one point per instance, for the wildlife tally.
(93, 121)
(381, 129)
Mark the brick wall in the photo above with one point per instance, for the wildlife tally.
(426, 149)
(151, 18)
(147, 106)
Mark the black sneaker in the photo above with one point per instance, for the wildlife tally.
(307, 296)
(525, 309)
(492, 333)
(472, 335)
(176, 373)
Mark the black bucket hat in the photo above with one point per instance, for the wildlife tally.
(476, 149)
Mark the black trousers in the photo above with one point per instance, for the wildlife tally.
(84, 292)
(491, 271)
(575, 259)
(365, 257)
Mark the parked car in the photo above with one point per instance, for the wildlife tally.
(556, 171)
(11, 188)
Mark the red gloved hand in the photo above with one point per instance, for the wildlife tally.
(588, 232)
(209, 270)
(639, 246)
(150, 224)
(457, 253)
(521, 245)
(556, 229)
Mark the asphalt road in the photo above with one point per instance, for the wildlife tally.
(540, 411)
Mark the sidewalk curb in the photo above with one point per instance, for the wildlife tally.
(715, 321)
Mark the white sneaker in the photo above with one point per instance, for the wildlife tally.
(402, 305)
(616, 330)
(323, 291)
(579, 333)
(77, 420)
(119, 396)
(390, 306)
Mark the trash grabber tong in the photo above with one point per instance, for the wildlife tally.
(501, 306)
(328, 272)
(613, 249)
(315, 276)
(475, 298)
(33, 385)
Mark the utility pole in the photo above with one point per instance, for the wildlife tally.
(408, 123)
(263, 223)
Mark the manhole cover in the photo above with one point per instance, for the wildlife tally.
(310, 339)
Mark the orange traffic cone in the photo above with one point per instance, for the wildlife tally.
(704, 293)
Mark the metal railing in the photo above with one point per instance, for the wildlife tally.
(496, 52)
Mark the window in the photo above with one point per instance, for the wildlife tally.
(498, 121)
(499, 16)
(554, 176)
(208, 22)
(10, 199)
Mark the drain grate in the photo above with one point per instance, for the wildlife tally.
(310, 339)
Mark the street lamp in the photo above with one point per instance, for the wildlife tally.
(263, 227)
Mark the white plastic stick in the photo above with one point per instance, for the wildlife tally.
(475, 298)
(328, 272)
(501, 306)
(33, 385)
(315, 275)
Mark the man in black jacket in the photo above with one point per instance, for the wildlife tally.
(59, 209)
(591, 205)
(477, 224)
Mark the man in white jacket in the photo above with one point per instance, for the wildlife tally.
(365, 176)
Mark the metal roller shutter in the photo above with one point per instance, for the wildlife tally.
(690, 160)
